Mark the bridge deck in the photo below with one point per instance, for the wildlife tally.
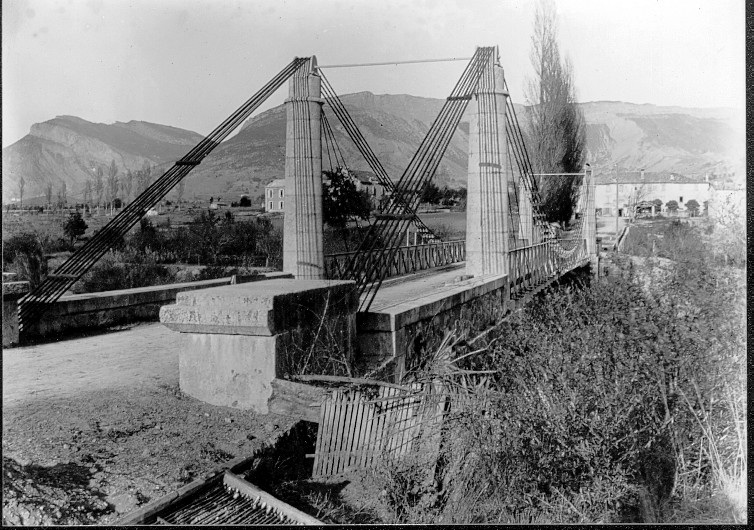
(413, 286)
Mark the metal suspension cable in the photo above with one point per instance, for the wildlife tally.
(327, 145)
(366, 151)
(415, 61)
(406, 185)
(155, 191)
(388, 230)
(330, 136)
(419, 171)
(369, 156)
(36, 302)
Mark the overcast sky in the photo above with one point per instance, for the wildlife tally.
(190, 63)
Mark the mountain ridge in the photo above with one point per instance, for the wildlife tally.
(630, 135)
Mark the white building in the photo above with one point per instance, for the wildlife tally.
(634, 187)
(274, 196)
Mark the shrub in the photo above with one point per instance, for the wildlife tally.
(74, 226)
(124, 270)
(593, 404)
(22, 254)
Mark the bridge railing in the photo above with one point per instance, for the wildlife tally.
(533, 265)
(407, 259)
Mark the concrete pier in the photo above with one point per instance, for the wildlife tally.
(487, 222)
(238, 339)
(303, 254)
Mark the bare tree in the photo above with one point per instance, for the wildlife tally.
(48, 196)
(62, 196)
(112, 184)
(556, 125)
(87, 193)
(21, 185)
(181, 190)
(128, 185)
(99, 186)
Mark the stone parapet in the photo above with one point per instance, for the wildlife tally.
(77, 312)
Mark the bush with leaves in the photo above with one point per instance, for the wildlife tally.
(75, 226)
(124, 270)
(22, 254)
(341, 201)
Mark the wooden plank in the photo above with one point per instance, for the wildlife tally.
(364, 444)
(337, 439)
(328, 442)
(382, 417)
(366, 426)
(321, 430)
(347, 432)
(358, 414)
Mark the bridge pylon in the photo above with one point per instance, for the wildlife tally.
(487, 209)
(303, 251)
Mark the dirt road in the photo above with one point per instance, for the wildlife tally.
(94, 427)
(143, 356)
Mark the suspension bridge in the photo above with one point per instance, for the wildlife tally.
(509, 252)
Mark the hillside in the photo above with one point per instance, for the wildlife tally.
(67, 148)
(689, 141)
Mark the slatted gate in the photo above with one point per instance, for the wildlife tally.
(360, 427)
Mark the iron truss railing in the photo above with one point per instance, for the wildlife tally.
(534, 265)
(406, 260)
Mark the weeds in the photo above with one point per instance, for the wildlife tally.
(615, 402)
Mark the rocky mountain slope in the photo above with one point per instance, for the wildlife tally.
(66, 148)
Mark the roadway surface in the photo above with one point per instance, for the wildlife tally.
(142, 356)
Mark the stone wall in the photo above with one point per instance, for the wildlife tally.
(12, 291)
(403, 336)
(107, 308)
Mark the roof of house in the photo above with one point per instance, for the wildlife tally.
(365, 177)
(634, 177)
(277, 183)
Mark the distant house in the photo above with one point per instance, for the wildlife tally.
(367, 181)
(637, 187)
(274, 196)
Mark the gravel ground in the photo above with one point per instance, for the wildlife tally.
(95, 426)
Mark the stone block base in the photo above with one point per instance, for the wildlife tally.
(229, 370)
(239, 339)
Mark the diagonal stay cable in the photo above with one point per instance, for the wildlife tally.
(33, 305)
(419, 171)
(366, 151)
(392, 226)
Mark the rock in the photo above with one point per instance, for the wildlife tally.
(66, 446)
(124, 502)
(228, 420)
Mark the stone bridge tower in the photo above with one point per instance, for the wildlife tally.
(303, 254)
(487, 208)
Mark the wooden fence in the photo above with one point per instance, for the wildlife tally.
(360, 428)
